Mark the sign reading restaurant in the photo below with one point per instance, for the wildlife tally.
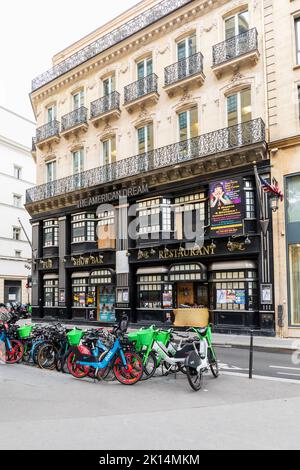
(113, 196)
(190, 253)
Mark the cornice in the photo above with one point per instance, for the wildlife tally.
(286, 142)
(139, 40)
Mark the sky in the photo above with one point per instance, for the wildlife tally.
(33, 31)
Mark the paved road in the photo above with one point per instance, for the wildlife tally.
(268, 364)
(47, 410)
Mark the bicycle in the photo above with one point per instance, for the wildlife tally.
(126, 364)
(199, 362)
(13, 348)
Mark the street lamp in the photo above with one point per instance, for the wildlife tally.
(274, 203)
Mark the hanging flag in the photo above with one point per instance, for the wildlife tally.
(272, 188)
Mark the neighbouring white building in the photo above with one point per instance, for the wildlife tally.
(17, 173)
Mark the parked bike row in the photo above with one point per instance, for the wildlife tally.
(103, 354)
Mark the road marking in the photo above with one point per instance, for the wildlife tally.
(229, 367)
(286, 368)
(263, 377)
(290, 375)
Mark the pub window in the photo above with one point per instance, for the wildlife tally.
(51, 292)
(106, 230)
(50, 233)
(154, 292)
(249, 187)
(84, 295)
(189, 210)
(236, 290)
(83, 228)
(154, 216)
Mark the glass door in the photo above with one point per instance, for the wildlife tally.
(234, 26)
(239, 111)
(185, 50)
(144, 69)
(106, 304)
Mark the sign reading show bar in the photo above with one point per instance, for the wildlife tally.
(226, 212)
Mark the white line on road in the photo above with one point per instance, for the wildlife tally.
(290, 375)
(286, 368)
(263, 377)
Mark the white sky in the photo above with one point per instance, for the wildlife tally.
(32, 31)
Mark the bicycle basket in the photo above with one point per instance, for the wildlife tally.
(163, 337)
(25, 331)
(133, 337)
(74, 337)
(145, 337)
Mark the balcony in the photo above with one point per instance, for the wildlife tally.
(142, 21)
(141, 93)
(47, 134)
(235, 52)
(224, 148)
(184, 73)
(105, 108)
(74, 122)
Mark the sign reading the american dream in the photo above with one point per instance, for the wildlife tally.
(226, 208)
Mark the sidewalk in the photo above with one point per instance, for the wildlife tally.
(260, 342)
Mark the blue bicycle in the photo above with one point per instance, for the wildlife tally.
(119, 357)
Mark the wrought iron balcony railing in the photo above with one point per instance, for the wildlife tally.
(141, 88)
(140, 22)
(76, 117)
(33, 144)
(47, 131)
(235, 47)
(241, 135)
(105, 104)
(183, 69)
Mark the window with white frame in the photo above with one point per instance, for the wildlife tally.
(249, 186)
(239, 107)
(109, 151)
(154, 215)
(144, 68)
(188, 124)
(109, 85)
(145, 138)
(17, 201)
(236, 24)
(51, 171)
(78, 100)
(83, 228)
(297, 39)
(16, 233)
(187, 47)
(17, 172)
(51, 113)
(190, 212)
(50, 232)
(78, 161)
(51, 292)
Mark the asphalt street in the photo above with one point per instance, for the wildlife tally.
(48, 410)
(266, 364)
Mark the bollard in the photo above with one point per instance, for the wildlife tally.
(251, 355)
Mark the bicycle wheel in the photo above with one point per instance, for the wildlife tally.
(194, 378)
(213, 364)
(46, 358)
(78, 371)
(132, 372)
(149, 368)
(16, 353)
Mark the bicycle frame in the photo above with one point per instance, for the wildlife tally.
(6, 340)
(117, 348)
